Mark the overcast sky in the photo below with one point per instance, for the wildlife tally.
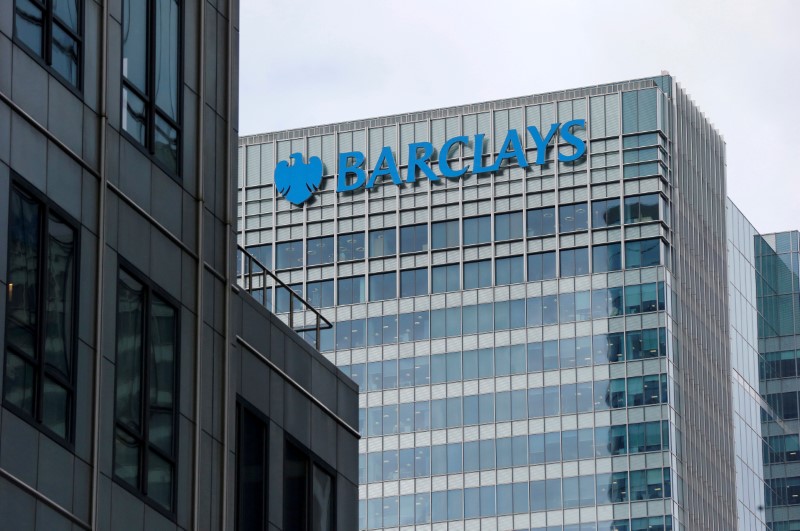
(313, 62)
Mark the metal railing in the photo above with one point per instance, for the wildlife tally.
(255, 278)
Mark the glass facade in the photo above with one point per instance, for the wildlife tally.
(527, 353)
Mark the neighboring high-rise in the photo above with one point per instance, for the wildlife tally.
(536, 314)
(141, 388)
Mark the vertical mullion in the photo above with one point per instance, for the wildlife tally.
(151, 76)
(145, 420)
(47, 33)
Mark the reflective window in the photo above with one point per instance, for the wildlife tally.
(351, 290)
(607, 302)
(446, 322)
(252, 479)
(509, 270)
(350, 246)
(606, 258)
(542, 266)
(573, 218)
(445, 278)
(151, 75)
(414, 238)
(605, 213)
(262, 253)
(477, 230)
(52, 31)
(574, 262)
(414, 282)
(319, 251)
(309, 491)
(477, 274)
(145, 439)
(641, 208)
(541, 221)
(382, 286)
(508, 226)
(444, 234)
(289, 254)
(320, 294)
(643, 253)
(382, 242)
(41, 316)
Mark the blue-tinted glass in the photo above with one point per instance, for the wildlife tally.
(351, 246)
(289, 254)
(167, 67)
(605, 213)
(319, 251)
(320, 294)
(606, 258)
(134, 44)
(541, 221)
(455, 504)
(550, 309)
(414, 238)
(508, 226)
(509, 270)
(477, 230)
(66, 55)
(477, 274)
(573, 218)
(134, 117)
(444, 234)
(382, 242)
(542, 266)
(166, 144)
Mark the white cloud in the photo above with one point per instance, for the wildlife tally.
(313, 62)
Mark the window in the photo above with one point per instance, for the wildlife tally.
(319, 251)
(508, 226)
(414, 282)
(320, 294)
(542, 266)
(413, 326)
(290, 299)
(477, 274)
(252, 479)
(40, 314)
(444, 234)
(289, 254)
(414, 239)
(573, 218)
(309, 491)
(477, 230)
(262, 253)
(574, 262)
(445, 278)
(351, 290)
(643, 253)
(509, 270)
(151, 77)
(351, 246)
(382, 286)
(145, 435)
(605, 213)
(541, 221)
(641, 208)
(606, 258)
(382, 242)
(52, 31)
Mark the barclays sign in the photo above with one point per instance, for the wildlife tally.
(298, 182)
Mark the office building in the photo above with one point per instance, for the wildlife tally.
(141, 388)
(536, 313)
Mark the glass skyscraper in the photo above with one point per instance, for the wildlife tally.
(540, 346)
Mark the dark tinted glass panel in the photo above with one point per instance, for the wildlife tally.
(166, 144)
(295, 488)
(134, 44)
(477, 230)
(29, 22)
(167, 58)
(134, 117)
(66, 55)
(541, 221)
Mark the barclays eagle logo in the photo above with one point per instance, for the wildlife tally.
(297, 182)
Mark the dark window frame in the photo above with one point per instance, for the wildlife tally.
(46, 58)
(150, 106)
(312, 460)
(36, 421)
(243, 406)
(140, 491)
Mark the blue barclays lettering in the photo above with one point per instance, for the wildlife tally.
(352, 174)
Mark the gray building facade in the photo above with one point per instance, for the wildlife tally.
(540, 346)
(141, 387)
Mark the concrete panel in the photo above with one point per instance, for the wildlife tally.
(28, 152)
(189, 142)
(185, 470)
(19, 452)
(323, 383)
(5, 59)
(29, 85)
(255, 382)
(47, 519)
(91, 55)
(64, 187)
(87, 287)
(55, 472)
(65, 116)
(165, 266)
(166, 201)
(16, 506)
(127, 511)
(91, 138)
(347, 458)
(297, 409)
(134, 174)
(155, 521)
(323, 436)
(134, 238)
(90, 201)
(346, 504)
(276, 451)
(297, 362)
(81, 490)
(187, 363)
(83, 401)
